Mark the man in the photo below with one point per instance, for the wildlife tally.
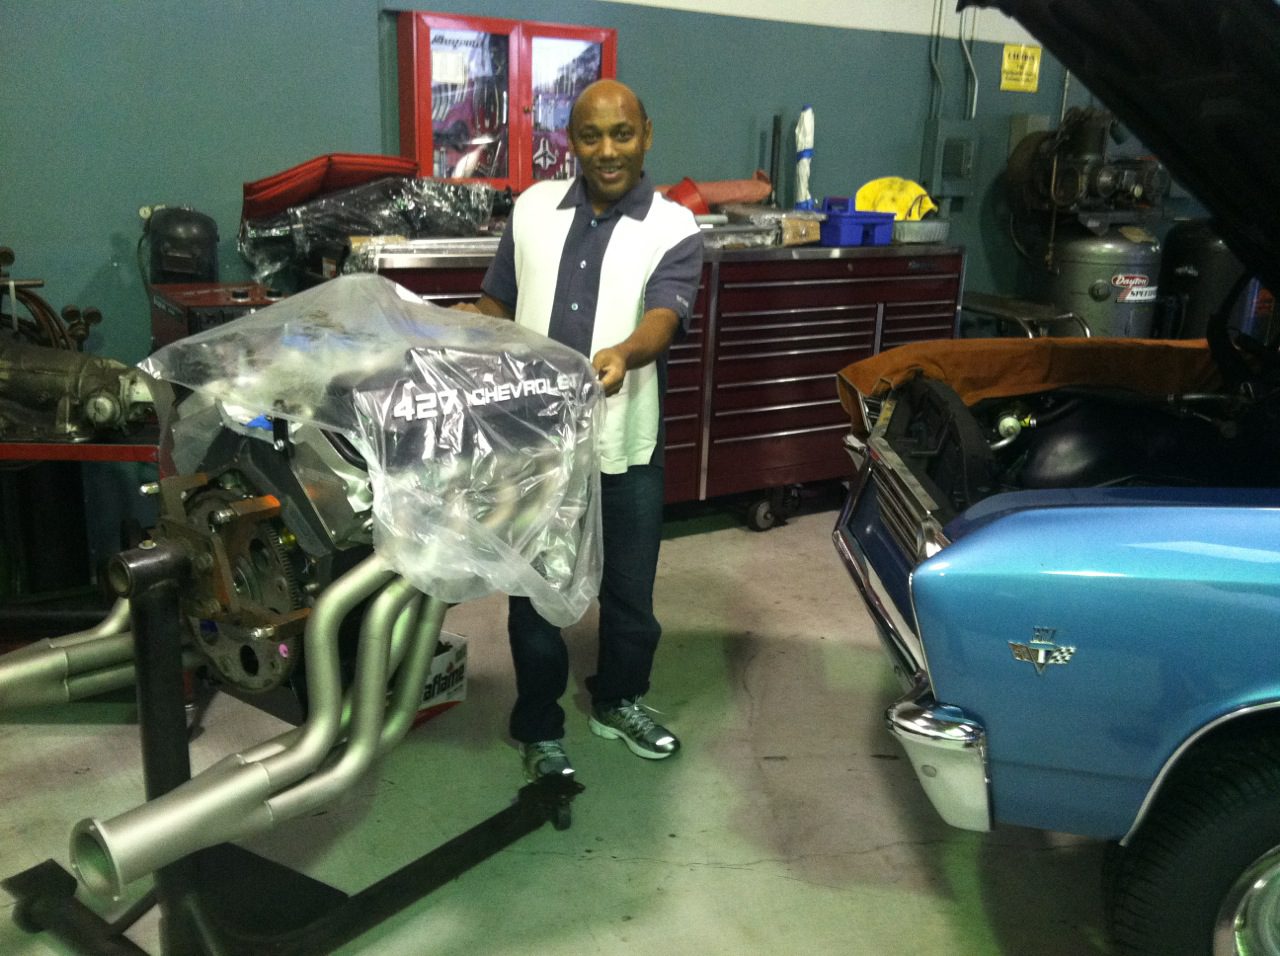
(606, 266)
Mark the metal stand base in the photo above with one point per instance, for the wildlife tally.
(227, 901)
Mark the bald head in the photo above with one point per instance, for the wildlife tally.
(608, 88)
(610, 134)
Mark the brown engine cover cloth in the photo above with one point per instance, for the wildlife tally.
(999, 368)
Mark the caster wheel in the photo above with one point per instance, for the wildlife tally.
(23, 919)
(760, 516)
(786, 501)
(563, 817)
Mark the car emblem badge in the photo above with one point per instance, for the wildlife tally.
(1042, 650)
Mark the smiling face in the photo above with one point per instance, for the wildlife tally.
(610, 135)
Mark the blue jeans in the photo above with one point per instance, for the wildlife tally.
(631, 515)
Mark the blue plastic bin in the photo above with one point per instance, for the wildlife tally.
(845, 226)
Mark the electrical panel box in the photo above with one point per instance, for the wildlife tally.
(950, 157)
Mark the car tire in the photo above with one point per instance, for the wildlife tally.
(1206, 854)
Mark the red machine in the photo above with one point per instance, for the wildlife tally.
(183, 309)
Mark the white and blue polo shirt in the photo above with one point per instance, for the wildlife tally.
(586, 280)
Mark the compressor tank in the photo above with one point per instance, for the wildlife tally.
(1111, 281)
(1197, 271)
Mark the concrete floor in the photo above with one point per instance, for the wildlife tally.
(790, 823)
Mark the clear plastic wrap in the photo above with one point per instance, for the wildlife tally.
(403, 206)
(478, 435)
(742, 236)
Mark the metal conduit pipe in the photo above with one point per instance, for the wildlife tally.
(92, 683)
(34, 677)
(401, 634)
(116, 622)
(421, 633)
(211, 808)
(368, 707)
(405, 628)
(324, 673)
(411, 678)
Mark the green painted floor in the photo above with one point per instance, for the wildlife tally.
(790, 822)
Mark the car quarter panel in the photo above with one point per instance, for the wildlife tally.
(1091, 641)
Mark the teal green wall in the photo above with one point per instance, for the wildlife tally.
(115, 104)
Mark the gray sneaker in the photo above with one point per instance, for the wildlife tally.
(629, 720)
(545, 758)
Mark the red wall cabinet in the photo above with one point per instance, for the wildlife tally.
(484, 98)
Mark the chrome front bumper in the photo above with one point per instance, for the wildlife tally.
(947, 749)
(949, 753)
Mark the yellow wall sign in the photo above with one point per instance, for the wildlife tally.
(1020, 68)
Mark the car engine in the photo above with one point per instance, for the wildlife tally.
(1082, 436)
(338, 468)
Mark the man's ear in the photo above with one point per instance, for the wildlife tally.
(648, 134)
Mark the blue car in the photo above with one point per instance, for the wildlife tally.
(1071, 546)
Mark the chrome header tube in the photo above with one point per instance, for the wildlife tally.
(219, 805)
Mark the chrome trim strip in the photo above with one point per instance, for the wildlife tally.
(920, 302)
(776, 408)
(784, 434)
(782, 380)
(759, 355)
(727, 341)
(708, 373)
(801, 310)
(440, 296)
(1182, 749)
(854, 280)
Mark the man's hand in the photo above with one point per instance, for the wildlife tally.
(611, 368)
(650, 339)
(486, 305)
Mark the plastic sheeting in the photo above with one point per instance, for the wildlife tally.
(479, 435)
(402, 206)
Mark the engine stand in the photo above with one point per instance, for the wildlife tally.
(227, 900)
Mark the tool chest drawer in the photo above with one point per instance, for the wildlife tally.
(781, 331)
(751, 398)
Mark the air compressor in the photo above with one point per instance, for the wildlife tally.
(1077, 215)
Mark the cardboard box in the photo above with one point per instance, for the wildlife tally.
(795, 228)
(446, 685)
(797, 231)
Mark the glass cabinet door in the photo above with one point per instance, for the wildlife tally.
(456, 83)
(561, 69)
(483, 98)
(470, 97)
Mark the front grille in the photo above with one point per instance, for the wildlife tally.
(895, 510)
(907, 510)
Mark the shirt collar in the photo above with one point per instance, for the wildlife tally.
(635, 202)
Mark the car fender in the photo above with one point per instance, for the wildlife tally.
(1091, 641)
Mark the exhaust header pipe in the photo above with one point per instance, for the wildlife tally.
(251, 791)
